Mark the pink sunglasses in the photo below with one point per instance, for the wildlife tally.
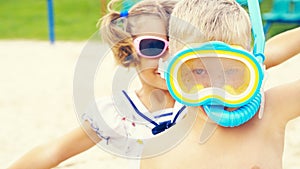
(150, 46)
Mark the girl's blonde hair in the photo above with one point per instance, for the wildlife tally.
(212, 20)
(117, 31)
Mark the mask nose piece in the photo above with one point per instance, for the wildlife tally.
(162, 67)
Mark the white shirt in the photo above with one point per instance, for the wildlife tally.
(124, 124)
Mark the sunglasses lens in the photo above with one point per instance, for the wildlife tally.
(152, 47)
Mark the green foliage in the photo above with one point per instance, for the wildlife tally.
(74, 19)
(23, 19)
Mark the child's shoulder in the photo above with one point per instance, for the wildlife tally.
(283, 102)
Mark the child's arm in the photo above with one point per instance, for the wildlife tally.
(282, 47)
(51, 154)
(283, 103)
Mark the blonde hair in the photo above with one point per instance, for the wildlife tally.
(212, 20)
(118, 31)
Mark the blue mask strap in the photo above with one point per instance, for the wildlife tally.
(259, 40)
(257, 30)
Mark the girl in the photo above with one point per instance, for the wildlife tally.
(138, 39)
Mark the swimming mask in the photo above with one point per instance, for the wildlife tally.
(218, 76)
(214, 73)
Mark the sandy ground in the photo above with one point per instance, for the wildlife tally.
(36, 102)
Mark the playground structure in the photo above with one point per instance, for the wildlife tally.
(51, 21)
(283, 11)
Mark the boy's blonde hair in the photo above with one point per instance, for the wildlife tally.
(198, 21)
(118, 31)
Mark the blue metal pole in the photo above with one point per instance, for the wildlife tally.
(51, 21)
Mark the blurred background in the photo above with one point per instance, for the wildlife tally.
(73, 19)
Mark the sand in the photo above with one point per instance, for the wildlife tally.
(36, 102)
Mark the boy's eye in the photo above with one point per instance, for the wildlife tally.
(199, 71)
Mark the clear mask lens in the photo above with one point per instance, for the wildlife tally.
(200, 74)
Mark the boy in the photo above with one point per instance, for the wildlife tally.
(256, 144)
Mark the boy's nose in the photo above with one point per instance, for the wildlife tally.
(216, 76)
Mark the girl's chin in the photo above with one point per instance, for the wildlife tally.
(160, 84)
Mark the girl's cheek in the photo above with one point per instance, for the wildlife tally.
(149, 63)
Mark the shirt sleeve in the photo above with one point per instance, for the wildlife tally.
(118, 135)
(105, 120)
